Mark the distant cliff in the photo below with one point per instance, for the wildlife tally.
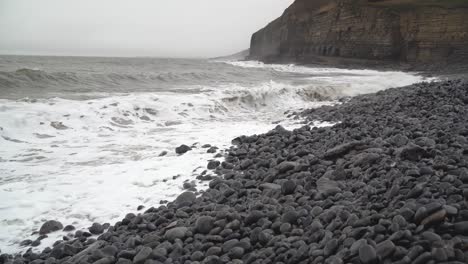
(408, 31)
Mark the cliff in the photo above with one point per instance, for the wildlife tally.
(415, 32)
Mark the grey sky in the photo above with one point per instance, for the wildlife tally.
(170, 28)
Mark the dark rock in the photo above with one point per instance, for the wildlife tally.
(176, 233)
(413, 153)
(341, 150)
(288, 187)
(253, 217)
(96, 229)
(26, 242)
(182, 149)
(423, 258)
(50, 226)
(204, 224)
(367, 254)
(58, 125)
(270, 186)
(197, 256)
(286, 166)
(68, 228)
(142, 255)
(236, 253)
(186, 198)
(123, 261)
(126, 254)
(212, 150)
(461, 228)
(290, 217)
(214, 251)
(385, 249)
(213, 164)
(330, 247)
(434, 218)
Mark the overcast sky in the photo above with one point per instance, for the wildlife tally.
(167, 28)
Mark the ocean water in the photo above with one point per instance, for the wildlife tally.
(80, 138)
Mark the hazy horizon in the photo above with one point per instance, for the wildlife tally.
(120, 28)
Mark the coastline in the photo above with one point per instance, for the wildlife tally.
(442, 71)
(367, 189)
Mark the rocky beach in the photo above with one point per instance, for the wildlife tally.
(388, 183)
(339, 137)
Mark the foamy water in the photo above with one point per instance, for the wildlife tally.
(96, 158)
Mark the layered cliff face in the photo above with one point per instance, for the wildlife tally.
(412, 31)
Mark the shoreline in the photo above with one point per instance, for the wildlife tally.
(446, 71)
(366, 189)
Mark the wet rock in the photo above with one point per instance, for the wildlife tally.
(145, 118)
(182, 149)
(68, 228)
(212, 150)
(26, 242)
(186, 198)
(213, 164)
(58, 125)
(36, 243)
(50, 226)
(188, 185)
(96, 229)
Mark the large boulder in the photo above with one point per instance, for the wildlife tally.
(50, 226)
(182, 149)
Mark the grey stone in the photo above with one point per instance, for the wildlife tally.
(50, 226)
(174, 233)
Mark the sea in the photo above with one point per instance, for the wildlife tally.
(82, 139)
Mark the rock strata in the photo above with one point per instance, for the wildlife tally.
(353, 198)
(414, 32)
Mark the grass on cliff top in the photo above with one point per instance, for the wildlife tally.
(416, 3)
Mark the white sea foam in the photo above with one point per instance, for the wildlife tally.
(89, 161)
